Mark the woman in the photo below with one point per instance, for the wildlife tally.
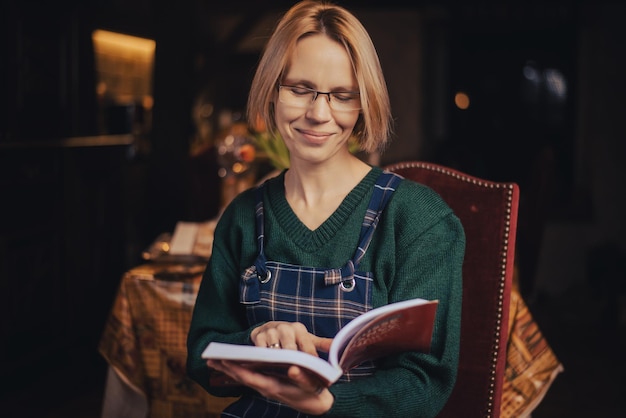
(297, 258)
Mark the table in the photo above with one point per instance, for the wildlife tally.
(144, 343)
(531, 365)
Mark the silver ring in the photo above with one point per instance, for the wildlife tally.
(275, 345)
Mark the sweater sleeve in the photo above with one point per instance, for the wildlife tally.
(216, 317)
(418, 252)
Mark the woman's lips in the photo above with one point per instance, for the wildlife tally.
(314, 137)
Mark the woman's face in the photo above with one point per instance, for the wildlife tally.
(315, 133)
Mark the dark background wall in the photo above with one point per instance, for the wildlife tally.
(77, 213)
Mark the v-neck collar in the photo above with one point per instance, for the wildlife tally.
(298, 231)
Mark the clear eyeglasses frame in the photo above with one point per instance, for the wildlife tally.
(303, 97)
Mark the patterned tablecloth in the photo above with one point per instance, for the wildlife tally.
(531, 365)
(144, 340)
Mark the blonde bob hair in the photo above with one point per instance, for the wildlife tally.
(306, 18)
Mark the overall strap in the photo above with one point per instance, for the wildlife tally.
(383, 189)
(385, 185)
(259, 263)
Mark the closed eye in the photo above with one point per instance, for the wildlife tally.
(300, 91)
(347, 97)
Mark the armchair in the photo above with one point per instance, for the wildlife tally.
(488, 211)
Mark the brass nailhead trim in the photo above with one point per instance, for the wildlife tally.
(507, 229)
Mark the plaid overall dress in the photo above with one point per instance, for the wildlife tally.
(323, 299)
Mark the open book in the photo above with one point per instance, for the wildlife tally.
(389, 329)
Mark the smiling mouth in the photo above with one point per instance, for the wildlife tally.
(314, 137)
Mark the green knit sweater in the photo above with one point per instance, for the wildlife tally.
(417, 251)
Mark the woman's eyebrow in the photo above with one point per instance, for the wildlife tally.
(306, 83)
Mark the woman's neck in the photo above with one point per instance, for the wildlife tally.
(314, 193)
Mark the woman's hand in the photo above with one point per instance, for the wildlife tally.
(301, 392)
(290, 336)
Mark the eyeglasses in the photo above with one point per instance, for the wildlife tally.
(303, 97)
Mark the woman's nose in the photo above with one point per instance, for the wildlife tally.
(320, 108)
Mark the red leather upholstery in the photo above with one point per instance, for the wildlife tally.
(488, 212)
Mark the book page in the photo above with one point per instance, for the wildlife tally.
(184, 238)
(273, 361)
